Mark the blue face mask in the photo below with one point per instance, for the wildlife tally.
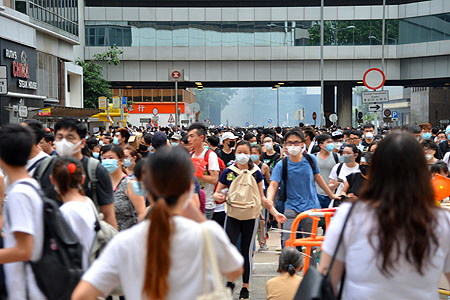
(442, 141)
(101, 143)
(330, 147)
(137, 188)
(95, 155)
(174, 144)
(150, 148)
(253, 144)
(110, 165)
(426, 136)
(254, 157)
(127, 162)
(116, 140)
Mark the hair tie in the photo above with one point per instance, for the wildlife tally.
(71, 167)
(290, 265)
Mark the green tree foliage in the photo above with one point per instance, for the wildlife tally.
(213, 99)
(94, 85)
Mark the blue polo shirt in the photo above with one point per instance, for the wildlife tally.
(301, 189)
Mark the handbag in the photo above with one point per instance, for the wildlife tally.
(315, 285)
(220, 291)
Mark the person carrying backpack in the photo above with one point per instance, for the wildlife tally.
(24, 222)
(241, 186)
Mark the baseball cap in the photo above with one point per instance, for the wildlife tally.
(228, 136)
(159, 139)
(176, 136)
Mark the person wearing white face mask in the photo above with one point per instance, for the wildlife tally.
(368, 132)
(162, 257)
(236, 224)
(299, 191)
(270, 157)
(348, 166)
(70, 140)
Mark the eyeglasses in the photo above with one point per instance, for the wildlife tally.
(296, 143)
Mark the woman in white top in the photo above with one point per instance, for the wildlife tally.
(397, 241)
(161, 257)
(68, 178)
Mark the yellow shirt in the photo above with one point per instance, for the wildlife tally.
(282, 287)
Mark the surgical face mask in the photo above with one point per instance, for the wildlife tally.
(110, 164)
(337, 146)
(174, 144)
(116, 140)
(428, 156)
(254, 157)
(329, 147)
(101, 143)
(231, 144)
(127, 162)
(150, 148)
(242, 158)
(426, 136)
(347, 158)
(64, 147)
(442, 141)
(137, 188)
(364, 169)
(95, 154)
(369, 135)
(268, 146)
(253, 144)
(294, 150)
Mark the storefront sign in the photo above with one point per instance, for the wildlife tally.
(149, 108)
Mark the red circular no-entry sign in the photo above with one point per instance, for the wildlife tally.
(176, 74)
(314, 116)
(374, 78)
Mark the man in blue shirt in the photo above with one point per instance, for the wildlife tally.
(301, 192)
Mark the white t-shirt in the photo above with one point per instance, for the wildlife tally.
(81, 218)
(447, 158)
(31, 162)
(342, 175)
(213, 165)
(123, 261)
(24, 214)
(364, 279)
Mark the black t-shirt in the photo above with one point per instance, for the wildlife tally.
(270, 160)
(356, 181)
(104, 185)
(227, 158)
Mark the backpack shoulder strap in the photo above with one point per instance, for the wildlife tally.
(92, 175)
(284, 178)
(254, 170)
(338, 171)
(336, 157)
(310, 161)
(235, 169)
(41, 168)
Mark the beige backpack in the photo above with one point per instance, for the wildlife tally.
(243, 198)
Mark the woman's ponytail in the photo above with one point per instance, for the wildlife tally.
(158, 244)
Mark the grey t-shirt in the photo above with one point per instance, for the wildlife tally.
(325, 166)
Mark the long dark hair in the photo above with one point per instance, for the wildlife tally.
(169, 174)
(400, 191)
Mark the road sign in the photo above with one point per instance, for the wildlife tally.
(124, 100)
(247, 124)
(387, 113)
(23, 111)
(394, 115)
(155, 119)
(176, 74)
(45, 112)
(171, 119)
(155, 111)
(360, 115)
(195, 107)
(102, 102)
(144, 120)
(333, 118)
(374, 78)
(299, 114)
(116, 102)
(3, 86)
(269, 121)
(314, 116)
(375, 97)
(375, 108)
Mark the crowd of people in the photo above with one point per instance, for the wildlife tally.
(164, 190)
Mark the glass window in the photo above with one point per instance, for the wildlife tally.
(180, 34)
(229, 34)
(197, 34)
(246, 34)
(100, 36)
(279, 33)
(126, 32)
(262, 34)
(164, 34)
(301, 33)
(213, 34)
(147, 34)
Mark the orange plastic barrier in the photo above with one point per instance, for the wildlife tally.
(313, 240)
(441, 187)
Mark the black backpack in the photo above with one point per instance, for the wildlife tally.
(59, 269)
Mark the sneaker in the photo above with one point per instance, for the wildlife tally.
(232, 286)
(244, 295)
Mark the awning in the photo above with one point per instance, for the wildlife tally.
(63, 111)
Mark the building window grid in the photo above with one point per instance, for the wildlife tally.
(62, 14)
(265, 34)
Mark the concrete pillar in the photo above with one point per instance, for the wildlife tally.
(344, 104)
(329, 103)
